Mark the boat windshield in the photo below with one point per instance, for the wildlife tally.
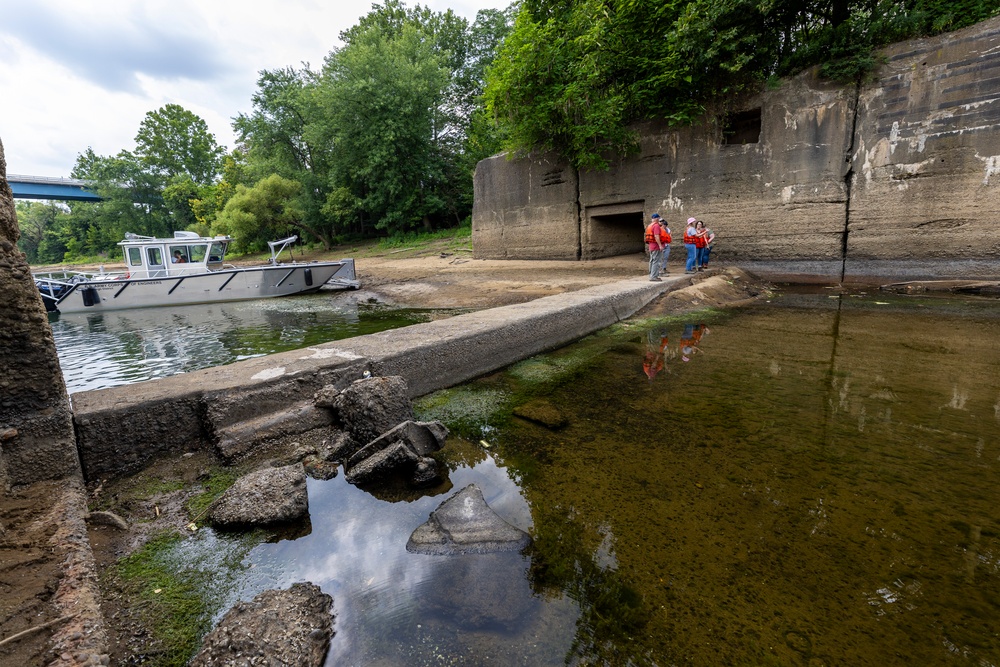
(198, 252)
(218, 252)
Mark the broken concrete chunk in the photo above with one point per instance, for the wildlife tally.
(465, 524)
(291, 627)
(269, 495)
(422, 438)
(382, 463)
(370, 407)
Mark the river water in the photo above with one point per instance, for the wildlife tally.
(812, 481)
(100, 350)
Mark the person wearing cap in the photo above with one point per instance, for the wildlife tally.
(690, 236)
(654, 243)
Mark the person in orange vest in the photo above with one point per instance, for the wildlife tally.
(654, 238)
(700, 244)
(709, 239)
(689, 245)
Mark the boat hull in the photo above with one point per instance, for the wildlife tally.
(236, 284)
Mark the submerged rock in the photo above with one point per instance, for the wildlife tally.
(291, 627)
(466, 524)
(270, 495)
(542, 412)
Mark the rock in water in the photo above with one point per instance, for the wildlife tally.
(287, 628)
(267, 496)
(465, 524)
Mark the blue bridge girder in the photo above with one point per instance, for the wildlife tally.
(46, 187)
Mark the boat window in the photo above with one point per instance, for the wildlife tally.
(155, 256)
(178, 254)
(198, 253)
(217, 252)
(135, 256)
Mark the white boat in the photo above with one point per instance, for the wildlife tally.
(186, 269)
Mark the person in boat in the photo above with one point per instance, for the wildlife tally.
(179, 258)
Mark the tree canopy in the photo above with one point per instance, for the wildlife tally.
(572, 76)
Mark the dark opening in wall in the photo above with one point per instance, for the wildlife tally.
(742, 127)
(612, 229)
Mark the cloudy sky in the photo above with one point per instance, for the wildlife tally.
(79, 73)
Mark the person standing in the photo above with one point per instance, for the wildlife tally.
(689, 245)
(667, 239)
(700, 244)
(709, 239)
(654, 243)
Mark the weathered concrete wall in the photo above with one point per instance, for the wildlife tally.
(36, 428)
(233, 409)
(926, 191)
(526, 209)
(899, 178)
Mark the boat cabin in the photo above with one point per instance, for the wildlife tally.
(186, 253)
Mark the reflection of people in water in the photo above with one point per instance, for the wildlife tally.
(690, 340)
(657, 345)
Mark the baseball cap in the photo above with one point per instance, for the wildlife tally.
(655, 216)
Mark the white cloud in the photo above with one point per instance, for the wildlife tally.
(77, 74)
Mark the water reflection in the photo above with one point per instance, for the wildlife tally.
(395, 607)
(99, 350)
(832, 500)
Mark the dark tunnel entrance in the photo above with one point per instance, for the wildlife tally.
(612, 229)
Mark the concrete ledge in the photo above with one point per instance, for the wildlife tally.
(120, 430)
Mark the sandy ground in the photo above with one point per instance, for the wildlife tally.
(434, 278)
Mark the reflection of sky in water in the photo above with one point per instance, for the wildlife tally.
(404, 608)
(99, 350)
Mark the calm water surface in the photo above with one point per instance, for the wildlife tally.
(808, 482)
(99, 350)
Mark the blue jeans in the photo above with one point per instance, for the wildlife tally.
(702, 256)
(708, 251)
(692, 256)
(663, 260)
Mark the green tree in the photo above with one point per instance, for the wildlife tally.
(285, 135)
(39, 223)
(383, 97)
(173, 141)
(258, 214)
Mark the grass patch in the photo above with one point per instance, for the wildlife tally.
(169, 601)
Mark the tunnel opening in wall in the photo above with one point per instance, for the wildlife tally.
(612, 229)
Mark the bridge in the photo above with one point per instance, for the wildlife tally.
(46, 187)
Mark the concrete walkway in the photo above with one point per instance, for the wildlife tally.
(119, 430)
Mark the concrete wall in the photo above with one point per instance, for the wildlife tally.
(926, 191)
(36, 428)
(526, 209)
(897, 178)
